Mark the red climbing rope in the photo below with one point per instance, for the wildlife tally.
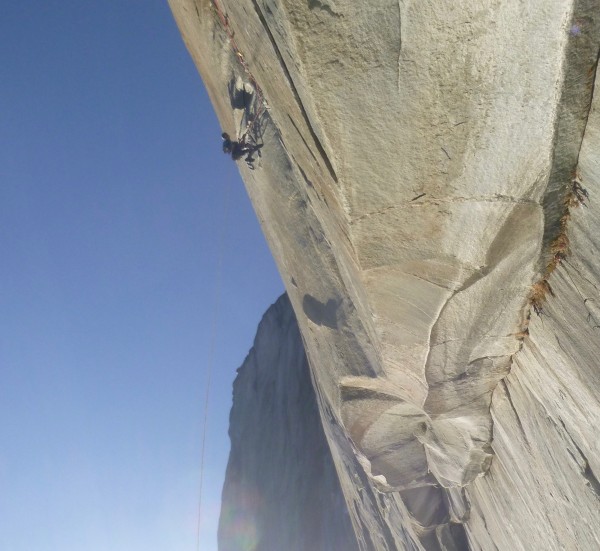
(260, 98)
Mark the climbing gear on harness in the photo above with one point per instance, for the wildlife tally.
(240, 148)
(248, 134)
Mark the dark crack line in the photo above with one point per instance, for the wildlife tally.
(436, 201)
(286, 71)
(553, 195)
(512, 405)
(586, 471)
(590, 315)
(302, 138)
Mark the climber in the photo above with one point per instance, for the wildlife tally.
(237, 149)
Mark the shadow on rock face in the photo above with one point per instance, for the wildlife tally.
(320, 313)
(239, 96)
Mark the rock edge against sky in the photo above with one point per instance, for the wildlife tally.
(418, 190)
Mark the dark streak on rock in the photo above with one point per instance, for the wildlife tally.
(512, 405)
(304, 176)
(316, 4)
(302, 138)
(573, 109)
(385, 529)
(322, 314)
(586, 471)
(488, 531)
(295, 91)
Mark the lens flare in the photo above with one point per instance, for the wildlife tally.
(239, 526)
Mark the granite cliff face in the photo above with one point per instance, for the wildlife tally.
(429, 178)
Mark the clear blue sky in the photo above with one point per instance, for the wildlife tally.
(112, 186)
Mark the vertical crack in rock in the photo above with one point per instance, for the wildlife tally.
(294, 90)
(399, 41)
(303, 141)
(517, 417)
(580, 62)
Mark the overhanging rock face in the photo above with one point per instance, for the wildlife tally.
(282, 490)
(415, 165)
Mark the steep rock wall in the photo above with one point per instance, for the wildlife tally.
(543, 489)
(415, 163)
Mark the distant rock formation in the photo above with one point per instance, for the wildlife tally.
(429, 187)
(281, 489)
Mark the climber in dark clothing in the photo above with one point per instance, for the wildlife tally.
(237, 149)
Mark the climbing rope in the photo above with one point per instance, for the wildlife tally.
(248, 132)
(260, 98)
(211, 354)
